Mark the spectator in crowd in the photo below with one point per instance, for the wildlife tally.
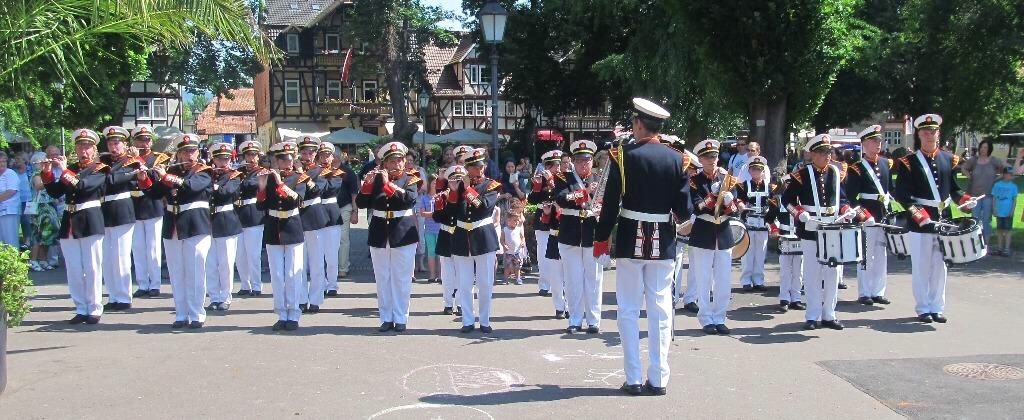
(1004, 194)
(20, 166)
(10, 203)
(431, 229)
(525, 170)
(45, 223)
(513, 246)
(981, 172)
(52, 152)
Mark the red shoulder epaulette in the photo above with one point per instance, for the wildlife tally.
(234, 174)
(905, 160)
(797, 175)
(303, 178)
(493, 185)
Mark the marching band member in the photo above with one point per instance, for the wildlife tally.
(149, 220)
(314, 220)
(280, 193)
(220, 263)
(754, 193)
(250, 245)
(684, 253)
(650, 189)
(333, 189)
(119, 218)
(925, 185)
(711, 193)
(542, 194)
(390, 192)
(582, 274)
(186, 228)
(868, 184)
(82, 185)
(449, 279)
(814, 196)
(475, 242)
(791, 264)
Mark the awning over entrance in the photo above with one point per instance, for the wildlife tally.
(546, 134)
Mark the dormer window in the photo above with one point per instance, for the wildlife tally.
(293, 43)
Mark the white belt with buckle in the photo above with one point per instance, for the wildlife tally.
(71, 208)
(829, 210)
(311, 202)
(553, 232)
(329, 200)
(579, 213)
(933, 203)
(879, 197)
(136, 194)
(118, 196)
(710, 218)
(179, 208)
(477, 224)
(392, 214)
(247, 202)
(283, 214)
(645, 217)
(449, 229)
(224, 208)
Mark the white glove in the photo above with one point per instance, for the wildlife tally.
(727, 198)
(715, 187)
(804, 217)
(604, 260)
(848, 215)
(870, 222)
(970, 204)
(811, 224)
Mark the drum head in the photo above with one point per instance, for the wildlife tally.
(684, 228)
(960, 225)
(900, 218)
(740, 237)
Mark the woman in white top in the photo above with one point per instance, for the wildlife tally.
(10, 203)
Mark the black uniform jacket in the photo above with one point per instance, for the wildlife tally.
(710, 234)
(474, 205)
(575, 230)
(180, 188)
(756, 196)
(861, 187)
(334, 184)
(249, 214)
(314, 215)
(395, 231)
(224, 191)
(911, 185)
(447, 222)
(79, 184)
(118, 207)
(800, 193)
(282, 224)
(147, 207)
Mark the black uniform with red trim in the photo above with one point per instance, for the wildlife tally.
(707, 234)
(912, 183)
(334, 184)
(225, 191)
(444, 237)
(79, 183)
(398, 195)
(574, 230)
(473, 204)
(748, 200)
(148, 207)
(180, 187)
(799, 193)
(120, 180)
(859, 182)
(314, 216)
(277, 198)
(249, 214)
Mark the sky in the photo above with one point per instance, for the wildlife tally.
(451, 5)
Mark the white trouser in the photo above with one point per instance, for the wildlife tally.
(557, 285)
(583, 284)
(677, 271)
(871, 275)
(331, 237)
(449, 281)
(821, 285)
(345, 243)
(690, 295)
(249, 258)
(791, 272)
(637, 281)
(714, 272)
(220, 268)
(543, 263)
(753, 261)
(186, 266)
(286, 278)
(146, 246)
(117, 274)
(928, 273)
(9, 224)
(82, 261)
(481, 269)
(313, 293)
(393, 270)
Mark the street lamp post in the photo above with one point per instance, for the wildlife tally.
(424, 102)
(492, 20)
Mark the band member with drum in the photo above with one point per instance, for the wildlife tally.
(814, 196)
(582, 274)
(333, 190)
(449, 278)
(791, 254)
(185, 188)
(220, 263)
(542, 195)
(314, 221)
(711, 192)
(119, 217)
(867, 184)
(684, 254)
(280, 192)
(926, 185)
(82, 185)
(390, 192)
(648, 179)
(250, 244)
(755, 193)
(149, 220)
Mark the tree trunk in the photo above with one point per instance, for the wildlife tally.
(696, 131)
(394, 68)
(773, 145)
(758, 120)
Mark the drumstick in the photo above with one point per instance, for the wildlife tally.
(961, 207)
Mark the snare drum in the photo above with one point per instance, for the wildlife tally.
(897, 240)
(963, 242)
(840, 244)
(741, 238)
(790, 245)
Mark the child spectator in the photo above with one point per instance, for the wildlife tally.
(425, 206)
(1004, 192)
(513, 245)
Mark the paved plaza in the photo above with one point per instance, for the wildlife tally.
(884, 365)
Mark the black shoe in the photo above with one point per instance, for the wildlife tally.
(386, 326)
(560, 315)
(654, 390)
(154, 292)
(332, 293)
(291, 325)
(109, 306)
(212, 306)
(178, 325)
(710, 329)
(313, 309)
(843, 286)
(399, 327)
(811, 325)
(881, 300)
(447, 310)
(760, 288)
(140, 293)
(798, 306)
(783, 306)
(195, 325)
(92, 320)
(544, 292)
(748, 287)
(77, 319)
(458, 310)
(303, 307)
(593, 330)
(833, 324)
(632, 389)
(722, 329)
(224, 307)
(939, 318)
(243, 292)
(486, 329)
(573, 329)
(256, 293)
(279, 325)
(466, 329)
(925, 318)
(864, 300)
(691, 307)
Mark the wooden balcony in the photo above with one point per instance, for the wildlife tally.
(343, 109)
(590, 123)
(329, 60)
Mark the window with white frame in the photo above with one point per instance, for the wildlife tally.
(291, 92)
(332, 43)
(457, 108)
(481, 108)
(334, 89)
(478, 74)
(370, 90)
(159, 109)
(293, 43)
(143, 109)
(893, 137)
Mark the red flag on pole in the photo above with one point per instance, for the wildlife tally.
(346, 67)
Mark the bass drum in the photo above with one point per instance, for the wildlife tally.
(740, 237)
